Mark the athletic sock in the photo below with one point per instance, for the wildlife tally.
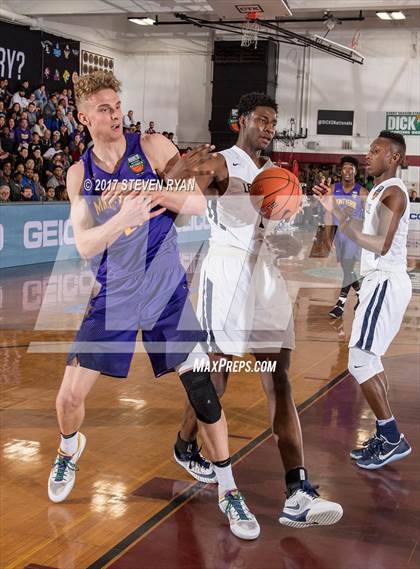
(295, 479)
(342, 299)
(223, 469)
(184, 447)
(388, 429)
(69, 443)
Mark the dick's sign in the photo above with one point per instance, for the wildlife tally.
(403, 123)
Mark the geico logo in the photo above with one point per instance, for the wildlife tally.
(1, 237)
(415, 216)
(48, 233)
(57, 289)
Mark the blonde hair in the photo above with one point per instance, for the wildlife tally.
(88, 85)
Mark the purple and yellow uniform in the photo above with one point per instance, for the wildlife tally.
(350, 201)
(142, 283)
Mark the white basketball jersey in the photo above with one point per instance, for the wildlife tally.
(233, 220)
(396, 258)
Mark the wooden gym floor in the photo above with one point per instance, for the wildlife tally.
(133, 507)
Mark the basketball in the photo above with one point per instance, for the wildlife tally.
(276, 194)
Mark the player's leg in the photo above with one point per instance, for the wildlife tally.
(303, 506)
(384, 298)
(213, 429)
(186, 450)
(387, 444)
(349, 277)
(70, 406)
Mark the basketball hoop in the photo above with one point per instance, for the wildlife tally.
(250, 30)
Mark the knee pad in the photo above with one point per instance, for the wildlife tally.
(363, 365)
(202, 396)
(196, 361)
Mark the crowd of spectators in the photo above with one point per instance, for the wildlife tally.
(40, 138)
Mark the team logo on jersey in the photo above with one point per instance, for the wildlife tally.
(377, 192)
(135, 163)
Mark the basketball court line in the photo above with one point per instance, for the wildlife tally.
(182, 498)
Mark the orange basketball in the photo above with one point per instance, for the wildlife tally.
(276, 194)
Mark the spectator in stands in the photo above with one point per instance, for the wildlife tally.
(77, 153)
(57, 178)
(70, 122)
(39, 162)
(74, 142)
(138, 127)
(6, 173)
(81, 132)
(28, 182)
(40, 127)
(50, 194)
(51, 107)
(23, 155)
(39, 188)
(2, 121)
(32, 115)
(46, 141)
(23, 132)
(3, 154)
(54, 122)
(4, 194)
(7, 142)
(151, 129)
(64, 136)
(36, 142)
(128, 119)
(16, 186)
(3, 89)
(27, 195)
(61, 193)
(41, 96)
(413, 197)
(165, 134)
(19, 97)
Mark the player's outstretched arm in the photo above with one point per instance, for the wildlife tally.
(92, 240)
(393, 204)
(196, 167)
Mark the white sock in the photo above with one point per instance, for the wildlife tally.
(69, 446)
(382, 422)
(342, 299)
(225, 479)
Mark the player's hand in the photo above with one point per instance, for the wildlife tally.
(136, 209)
(283, 245)
(323, 193)
(199, 161)
(116, 192)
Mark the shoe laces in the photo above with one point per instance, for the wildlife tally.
(236, 507)
(197, 458)
(374, 447)
(62, 466)
(307, 488)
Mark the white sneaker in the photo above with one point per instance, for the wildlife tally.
(243, 524)
(63, 473)
(304, 508)
(196, 465)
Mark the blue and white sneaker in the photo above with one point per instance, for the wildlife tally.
(357, 453)
(381, 452)
(196, 465)
(242, 523)
(304, 508)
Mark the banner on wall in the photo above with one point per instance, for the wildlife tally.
(20, 55)
(335, 122)
(37, 57)
(405, 123)
(60, 59)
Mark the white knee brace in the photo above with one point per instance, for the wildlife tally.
(363, 365)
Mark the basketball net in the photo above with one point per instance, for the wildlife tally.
(250, 30)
